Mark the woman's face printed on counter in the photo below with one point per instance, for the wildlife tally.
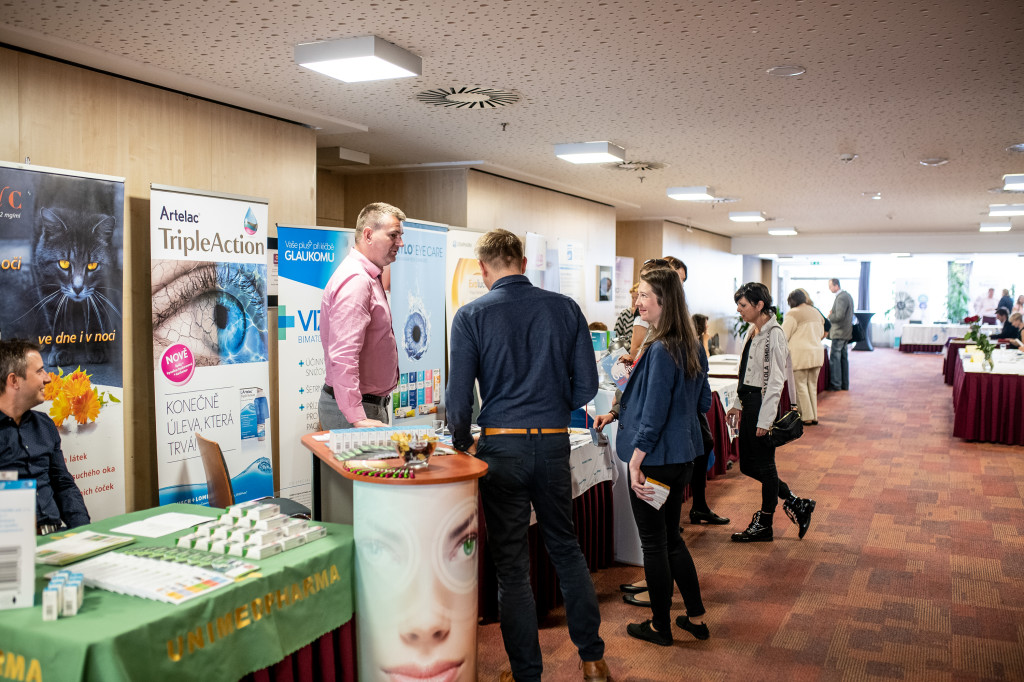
(419, 567)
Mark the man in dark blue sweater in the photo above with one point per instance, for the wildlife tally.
(531, 353)
(29, 441)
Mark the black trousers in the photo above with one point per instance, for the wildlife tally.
(757, 456)
(666, 558)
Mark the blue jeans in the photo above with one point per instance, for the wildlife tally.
(839, 365)
(524, 470)
(666, 558)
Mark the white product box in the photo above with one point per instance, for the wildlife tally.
(18, 542)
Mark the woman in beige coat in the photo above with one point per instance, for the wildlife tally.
(805, 327)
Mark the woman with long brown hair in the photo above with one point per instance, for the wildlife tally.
(659, 436)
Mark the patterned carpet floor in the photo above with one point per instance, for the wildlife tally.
(913, 567)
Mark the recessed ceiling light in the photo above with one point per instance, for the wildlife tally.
(701, 193)
(590, 152)
(1013, 182)
(1018, 147)
(786, 70)
(877, 196)
(747, 216)
(902, 255)
(782, 232)
(995, 226)
(934, 161)
(768, 256)
(354, 60)
(995, 210)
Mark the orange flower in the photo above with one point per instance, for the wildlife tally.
(86, 406)
(54, 388)
(61, 408)
(78, 384)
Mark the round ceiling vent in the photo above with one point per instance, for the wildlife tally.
(636, 165)
(468, 98)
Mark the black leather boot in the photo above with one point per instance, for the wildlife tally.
(799, 510)
(759, 530)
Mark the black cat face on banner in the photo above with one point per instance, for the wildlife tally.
(73, 251)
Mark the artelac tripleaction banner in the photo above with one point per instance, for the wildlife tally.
(210, 350)
(462, 272)
(307, 257)
(417, 314)
(61, 274)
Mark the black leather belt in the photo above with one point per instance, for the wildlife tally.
(381, 400)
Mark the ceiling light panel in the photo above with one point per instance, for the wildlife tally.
(355, 60)
(700, 193)
(782, 232)
(747, 216)
(1013, 182)
(995, 226)
(590, 152)
(995, 210)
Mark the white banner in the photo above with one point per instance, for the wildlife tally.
(307, 257)
(209, 262)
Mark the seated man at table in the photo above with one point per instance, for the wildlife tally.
(1008, 331)
(29, 441)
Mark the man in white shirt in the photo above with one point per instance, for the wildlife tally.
(985, 306)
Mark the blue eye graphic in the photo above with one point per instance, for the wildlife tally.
(217, 309)
(417, 330)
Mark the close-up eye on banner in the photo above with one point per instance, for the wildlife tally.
(210, 344)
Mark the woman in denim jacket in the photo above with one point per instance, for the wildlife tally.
(659, 437)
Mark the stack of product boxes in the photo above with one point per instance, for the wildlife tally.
(63, 595)
(252, 530)
(345, 440)
(417, 393)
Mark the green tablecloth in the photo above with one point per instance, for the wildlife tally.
(295, 598)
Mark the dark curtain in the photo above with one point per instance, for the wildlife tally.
(863, 298)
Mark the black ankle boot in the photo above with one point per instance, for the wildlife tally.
(799, 510)
(759, 530)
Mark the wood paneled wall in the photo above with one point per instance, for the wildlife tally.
(68, 117)
(436, 196)
(495, 202)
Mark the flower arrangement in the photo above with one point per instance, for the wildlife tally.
(975, 322)
(73, 395)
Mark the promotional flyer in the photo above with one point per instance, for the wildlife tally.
(307, 257)
(210, 344)
(418, 316)
(61, 277)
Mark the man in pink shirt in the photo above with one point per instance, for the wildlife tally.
(360, 352)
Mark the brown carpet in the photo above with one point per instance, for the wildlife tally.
(913, 567)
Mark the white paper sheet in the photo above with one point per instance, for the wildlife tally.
(161, 524)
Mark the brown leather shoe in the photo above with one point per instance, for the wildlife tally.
(506, 676)
(595, 671)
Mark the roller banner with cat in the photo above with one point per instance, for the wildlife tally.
(210, 343)
(61, 283)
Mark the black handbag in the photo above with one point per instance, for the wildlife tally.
(786, 428)
(789, 426)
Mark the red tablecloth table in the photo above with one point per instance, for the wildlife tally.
(988, 407)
